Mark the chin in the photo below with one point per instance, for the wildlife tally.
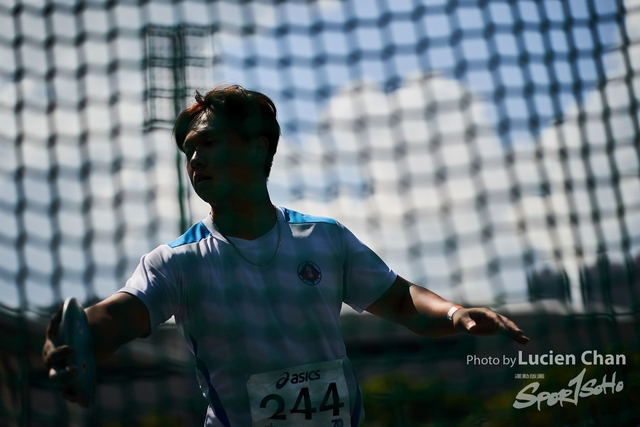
(213, 194)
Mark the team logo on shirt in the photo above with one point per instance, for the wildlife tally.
(309, 273)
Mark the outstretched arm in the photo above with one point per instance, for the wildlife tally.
(116, 321)
(425, 313)
(113, 322)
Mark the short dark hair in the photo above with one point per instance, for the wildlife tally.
(250, 113)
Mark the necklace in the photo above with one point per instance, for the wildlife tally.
(259, 264)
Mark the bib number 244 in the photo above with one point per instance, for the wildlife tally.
(303, 405)
(307, 395)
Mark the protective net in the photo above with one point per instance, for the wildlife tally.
(487, 150)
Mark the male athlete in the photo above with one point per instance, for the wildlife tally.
(256, 289)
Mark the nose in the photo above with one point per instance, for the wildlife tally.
(196, 160)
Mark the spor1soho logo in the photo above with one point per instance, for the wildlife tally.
(577, 387)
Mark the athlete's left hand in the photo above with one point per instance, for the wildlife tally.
(484, 321)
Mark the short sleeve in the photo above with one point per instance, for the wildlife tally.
(366, 276)
(156, 284)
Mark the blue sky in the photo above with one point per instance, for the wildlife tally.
(459, 43)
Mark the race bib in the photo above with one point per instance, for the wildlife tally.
(307, 395)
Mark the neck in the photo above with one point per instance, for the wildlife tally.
(244, 219)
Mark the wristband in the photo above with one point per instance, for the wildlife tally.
(452, 310)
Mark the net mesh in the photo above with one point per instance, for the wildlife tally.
(488, 151)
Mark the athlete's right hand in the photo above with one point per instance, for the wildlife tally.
(59, 359)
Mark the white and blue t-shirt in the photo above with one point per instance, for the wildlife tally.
(266, 339)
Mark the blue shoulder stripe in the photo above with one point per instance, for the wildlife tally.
(194, 234)
(294, 217)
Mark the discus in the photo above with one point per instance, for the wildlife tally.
(74, 332)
